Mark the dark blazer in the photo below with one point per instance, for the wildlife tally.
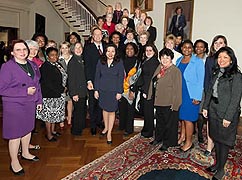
(229, 96)
(110, 78)
(91, 56)
(117, 17)
(209, 67)
(131, 24)
(153, 34)
(148, 68)
(51, 81)
(181, 24)
(76, 77)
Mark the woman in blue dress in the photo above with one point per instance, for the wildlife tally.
(192, 69)
(109, 87)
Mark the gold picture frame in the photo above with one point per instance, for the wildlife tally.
(145, 5)
(187, 7)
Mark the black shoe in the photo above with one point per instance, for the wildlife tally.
(19, 173)
(103, 134)
(93, 131)
(53, 139)
(35, 158)
(207, 153)
(184, 151)
(155, 142)
(57, 134)
(212, 169)
(127, 133)
(109, 142)
(163, 148)
(214, 178)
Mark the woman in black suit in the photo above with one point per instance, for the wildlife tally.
(148, 67)
(151, 29)
(77, 89)
(53, 83)
(109, 87)
(222, 107)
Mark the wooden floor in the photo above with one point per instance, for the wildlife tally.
(58, 159)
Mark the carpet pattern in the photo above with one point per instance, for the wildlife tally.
(136, 157)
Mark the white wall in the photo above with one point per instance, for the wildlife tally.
(55, 27)
(21, 14)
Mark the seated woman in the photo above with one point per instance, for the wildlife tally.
(21, 94)
(53, 83)
(166, 90)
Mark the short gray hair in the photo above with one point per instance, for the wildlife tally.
(32, 43)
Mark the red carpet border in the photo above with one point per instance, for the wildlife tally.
(136, 157)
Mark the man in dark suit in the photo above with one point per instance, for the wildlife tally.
(91, 54)
(178, 22)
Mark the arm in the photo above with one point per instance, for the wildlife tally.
(177, 91)
(9, 88)
(235, 97)
(97, 76)
(72, 79)
(120, 78)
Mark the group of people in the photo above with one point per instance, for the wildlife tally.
(181, 82)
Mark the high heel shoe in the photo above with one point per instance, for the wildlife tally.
(18, 173)
(192, 146)
(103, 134)
(109, 142)
(35, 158)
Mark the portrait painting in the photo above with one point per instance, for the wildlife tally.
(145, 5)
(178, 18)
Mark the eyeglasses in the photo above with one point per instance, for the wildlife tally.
(19, 50)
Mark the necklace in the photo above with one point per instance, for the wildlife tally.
(25, 67)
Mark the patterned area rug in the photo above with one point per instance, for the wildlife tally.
(136, 157)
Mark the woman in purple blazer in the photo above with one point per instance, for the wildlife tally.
(21, 94)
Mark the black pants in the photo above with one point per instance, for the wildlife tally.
(222, 152)
(79, 116)
(166, 126)
(126, 116)
(148, 127)
(95, 111)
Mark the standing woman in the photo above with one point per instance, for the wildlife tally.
(222, 107)
(42, 40)
(21, 94)
(166, 89)
(192, 69)
(151, 29)
(148, 68)
(53, 83)
(126, 103)
(65, 57)
(109, 87)
(218, 42)
(77, 89)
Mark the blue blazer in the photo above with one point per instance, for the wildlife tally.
(194, 77)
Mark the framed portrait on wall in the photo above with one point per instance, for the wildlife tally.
(178, 18)
(145, 5)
